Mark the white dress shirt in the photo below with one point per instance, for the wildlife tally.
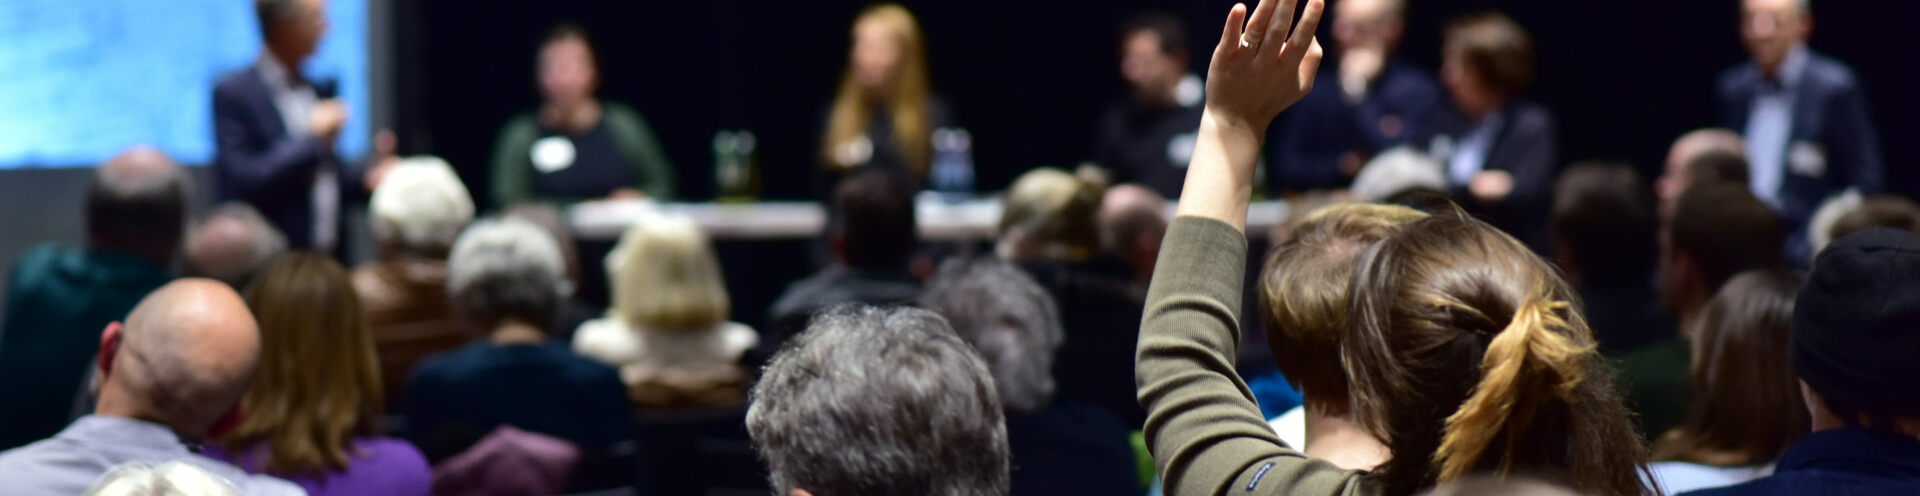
(295, 103)
(1770, 126)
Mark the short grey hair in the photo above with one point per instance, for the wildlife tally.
(174, 478)
(420, 207)
(880, 401)
(232, 244)
(503, 269)
(1008, 318)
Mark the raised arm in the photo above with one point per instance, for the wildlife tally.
(1203, 426)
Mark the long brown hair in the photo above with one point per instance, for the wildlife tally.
(1468, 355)
(1746, 406)
(319, 382)
(907, 103)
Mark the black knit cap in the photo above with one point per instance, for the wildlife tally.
(1856, 323)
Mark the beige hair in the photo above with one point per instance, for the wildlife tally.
(1051, 214)
(420, 206)
(665, 277)
(174, 478)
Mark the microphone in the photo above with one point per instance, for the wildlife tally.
(326, 89)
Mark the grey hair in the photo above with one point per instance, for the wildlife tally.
(174, 478)
(880, 401)
(219, 256)
(1008, 318)
(1395, 171)
(420, 207)
(503, 269)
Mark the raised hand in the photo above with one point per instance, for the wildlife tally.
(1265, 66)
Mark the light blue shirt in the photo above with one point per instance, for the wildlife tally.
(1470, 156)
(1770, 126)
(68, 463)
(1680, 477)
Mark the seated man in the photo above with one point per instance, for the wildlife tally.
(873, 243)
(1132, 221)
(1856, 329)
(879, 401)
(1605, 238)
(135, 210)
(1304, 290)
(416, 213)
(231, 244)
(171, 378)
(1059, 446)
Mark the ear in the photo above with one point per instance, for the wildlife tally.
(109, 346)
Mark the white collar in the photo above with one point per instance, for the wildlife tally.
(274, 73)
(1793, 67)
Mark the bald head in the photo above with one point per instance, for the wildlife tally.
(1132, 219)
(187, 353)
(1712, 146)
(232, 244)
(137, 204)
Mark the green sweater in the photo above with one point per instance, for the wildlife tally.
(1205, 431)
(512, 171)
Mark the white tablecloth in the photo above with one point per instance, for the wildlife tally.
(940, 220)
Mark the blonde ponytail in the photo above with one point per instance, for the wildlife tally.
(1535, 352)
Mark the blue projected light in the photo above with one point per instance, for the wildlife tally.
(82, 80)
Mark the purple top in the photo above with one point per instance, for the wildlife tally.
(377, 466)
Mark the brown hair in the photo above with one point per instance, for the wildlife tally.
(1494, 48)
(319, 382)
(1468, 354)
(1304, 291)
(1891, 212)
(1746, 406)
(907, 104)
(1726, 230)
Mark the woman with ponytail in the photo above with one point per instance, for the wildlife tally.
(1468, 354)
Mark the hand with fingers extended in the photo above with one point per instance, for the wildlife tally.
(1263, 64)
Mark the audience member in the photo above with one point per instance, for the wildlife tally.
(576, 146)
(418, 210)
(884, 113)
(1148, 137)
(135, 210)
(668, 331)
(550, 219)
(507, 280)
(1748, 408)
(312, 414)
(1434, 304)
(1304, 291)
(1500, 149)
(1050, 228)
(1132, 220)
(231, 244)
(873, 244)
(1804, 115)
(1059, 446)
(1891, 212)
(880, 401)
(1717, 230)
(275, 130)
(1371, 100)
(1852, 347)
(166, 479)
(1606, 240)
(1703, 155)
(171, 377)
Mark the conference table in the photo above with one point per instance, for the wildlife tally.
(940, 219)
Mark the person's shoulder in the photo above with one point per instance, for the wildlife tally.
(605, 339)
(450, 364)
(1830, 73)
(40, 262)
(1527, 115)
(396, 455)
(1739, 76)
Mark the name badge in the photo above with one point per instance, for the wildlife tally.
(1807, 159)
(552, 154)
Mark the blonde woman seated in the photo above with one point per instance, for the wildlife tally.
(668, 330)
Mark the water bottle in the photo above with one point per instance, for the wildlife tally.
(952, 174)
(734, 168)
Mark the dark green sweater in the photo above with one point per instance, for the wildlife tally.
(513, 174)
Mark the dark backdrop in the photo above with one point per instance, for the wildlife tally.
(1029, 77)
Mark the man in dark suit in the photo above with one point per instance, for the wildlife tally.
(275, 131)
(1804, 116)
(1372, 101)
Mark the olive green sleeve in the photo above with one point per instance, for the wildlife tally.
(511, 174)
(653, 173)
(1203, 426)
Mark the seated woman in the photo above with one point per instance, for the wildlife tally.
(668, 330)
(1747, 408)
(1050, 229)
(576, 147)
(312, 415)
(506, 279)
(1499, 149)
(884, 113)
(1466, 352)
